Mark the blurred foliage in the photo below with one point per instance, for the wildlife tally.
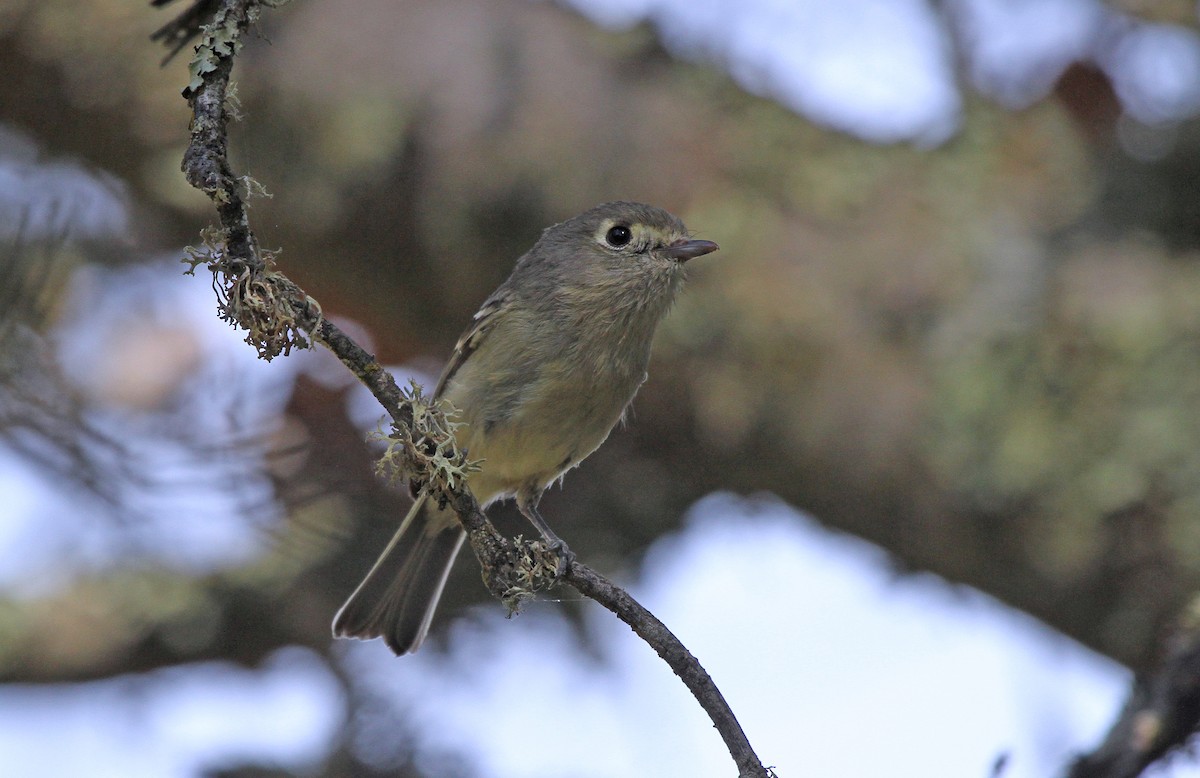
(984, 357)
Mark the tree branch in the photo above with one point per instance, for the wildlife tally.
(648, 627)
(278, 315)
(1161, 714)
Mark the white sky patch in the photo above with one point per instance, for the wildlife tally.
(187, 513)
(173, 723)
(1156, 72)
(885, 71)
(879, 69)
(1017, 49)
(22, 551)
(42, 199)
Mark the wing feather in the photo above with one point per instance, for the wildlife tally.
(481, 324)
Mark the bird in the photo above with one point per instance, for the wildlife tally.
(546, 369)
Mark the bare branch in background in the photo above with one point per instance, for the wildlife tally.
(1161, 714)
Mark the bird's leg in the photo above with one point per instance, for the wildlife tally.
(566, 556)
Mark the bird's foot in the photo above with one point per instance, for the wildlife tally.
(565, 556)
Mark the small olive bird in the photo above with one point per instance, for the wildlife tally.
(545, 371)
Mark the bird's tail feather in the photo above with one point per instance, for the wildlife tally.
(397, 599)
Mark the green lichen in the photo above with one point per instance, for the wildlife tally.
(219, 39)
(425, 454)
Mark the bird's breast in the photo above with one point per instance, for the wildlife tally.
(530, 426)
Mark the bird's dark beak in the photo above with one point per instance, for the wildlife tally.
(684, 249)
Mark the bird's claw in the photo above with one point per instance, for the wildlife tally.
(564, 555)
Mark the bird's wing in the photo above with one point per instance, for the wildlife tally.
(481, 324)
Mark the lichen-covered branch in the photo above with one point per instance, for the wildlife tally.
(423, 451)
(278, 316)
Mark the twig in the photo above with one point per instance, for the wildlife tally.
(1161, 715)
(674, 653)
(251, 292)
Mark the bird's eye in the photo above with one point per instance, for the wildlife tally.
(618, 236)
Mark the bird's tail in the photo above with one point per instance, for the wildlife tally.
(397, 599)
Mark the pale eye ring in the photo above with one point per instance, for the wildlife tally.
(618, 235)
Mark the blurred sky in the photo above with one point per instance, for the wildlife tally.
(884, 71)
(869, 674)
